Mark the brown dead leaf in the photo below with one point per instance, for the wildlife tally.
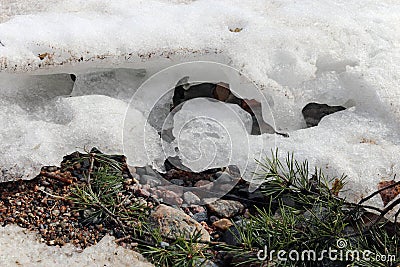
(236, 30)
(390, 193)
(43, 56)
(336, 187)
(367, 141)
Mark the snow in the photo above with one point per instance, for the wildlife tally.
(287, 54)
(19, 247)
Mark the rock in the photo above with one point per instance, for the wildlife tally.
(150, 180)
(52, 169)
(201, 216)
(151, 172)
(314, 112)
(223, 224)
(226, 208)
(197, 209)
(174, 188)
(173, 222)
(171, 198)
(225, 187)
(55, 212)
(190, 198)
(178, 182)
(222, 92)
(131, 169)
(224, 178)
(164, 244)
(140, 171)
(232, 236)
(204, 263)
(203, 183)
(199, 213)
(142, 192)
(213, 218)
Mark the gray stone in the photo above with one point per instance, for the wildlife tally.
(200, 216)
(150, 171)
(204, 263)
(177, 182)
(232, 236)
(171, 198)
(140, 171)
(223, 177)
(190, 198)
(204, 184)
(226, 208)
(174, 188)
(150, 180)
(164, 244)
(174, 222)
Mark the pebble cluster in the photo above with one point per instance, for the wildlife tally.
(177, 188)
(42, 204)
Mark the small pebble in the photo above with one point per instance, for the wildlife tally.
(164, 244)
(191, 198)
(55, 212)
(177, 182)
(213, 218)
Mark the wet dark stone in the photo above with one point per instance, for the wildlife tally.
(232, 236)
(73, 77)
(314, 112)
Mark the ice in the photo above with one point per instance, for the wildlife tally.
(340, 53)
(38, 95)
(97, 121)
(211, 136)
(116, 83)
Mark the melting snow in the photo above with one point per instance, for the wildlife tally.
(334, 52)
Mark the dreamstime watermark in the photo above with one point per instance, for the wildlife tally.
(341, 253)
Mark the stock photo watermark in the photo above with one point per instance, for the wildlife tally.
(341, 253)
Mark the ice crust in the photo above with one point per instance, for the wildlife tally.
(333, 52)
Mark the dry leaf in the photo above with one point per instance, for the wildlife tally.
(337, 186)
(367, 141)
(390, 193)
(42, 56)
(236, 30)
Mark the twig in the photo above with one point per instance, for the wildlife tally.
(123, 201)
(92, 155)
(57, 177)
(2, 44)
(378, 219)
(386, 210)
(57, 197)
(122, 238)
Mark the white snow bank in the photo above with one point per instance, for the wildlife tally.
(334, 52)
(19, 247)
